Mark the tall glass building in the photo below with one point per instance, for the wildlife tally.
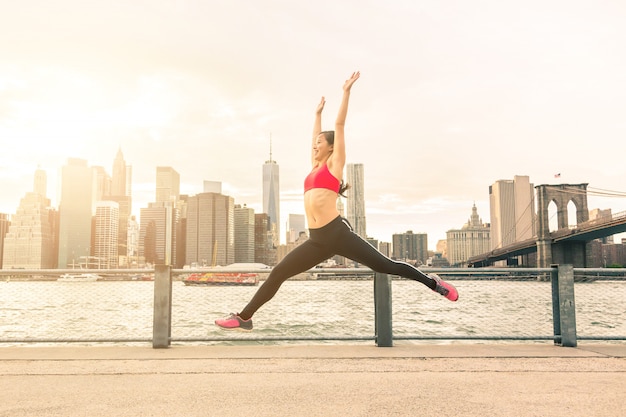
(512, 211)
(106, 234)
(271, 197)
(356, 198)
(75, 212)
(210, 229)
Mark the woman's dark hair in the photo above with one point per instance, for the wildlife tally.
(329, 135)
(342, 188)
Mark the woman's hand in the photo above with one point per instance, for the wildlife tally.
(348, 84)
(320, 106)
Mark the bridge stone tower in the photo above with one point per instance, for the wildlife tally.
(574, 253)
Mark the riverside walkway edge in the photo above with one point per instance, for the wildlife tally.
(530, 379)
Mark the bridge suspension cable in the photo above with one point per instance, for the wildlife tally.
(596, 192)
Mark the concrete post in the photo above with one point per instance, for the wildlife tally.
(382, 308)
(556, 312)
(162, 319)
(563, 296)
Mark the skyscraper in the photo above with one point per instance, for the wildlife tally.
(410, 246)
(102, 183)
(271, 197)
(244, 234)
(210, 229)
(159, 221)
(356, 198)
(40, 185)
(120, 176)
(29, 241)
(264, 250)
(4, 229)
(75, 212)
(167, 184)
(157, 233)
(132, 242)
(472, 239)
(295, 225)
(121, 193)
(512, 210)
(106, 234)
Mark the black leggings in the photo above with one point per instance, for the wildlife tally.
(336, 238)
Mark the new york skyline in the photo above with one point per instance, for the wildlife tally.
(453, 97)
(198, 190)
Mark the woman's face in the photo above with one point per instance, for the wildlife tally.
(321, 148)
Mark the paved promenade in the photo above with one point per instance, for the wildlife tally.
(483, 380)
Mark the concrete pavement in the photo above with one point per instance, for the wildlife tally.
(534, 379)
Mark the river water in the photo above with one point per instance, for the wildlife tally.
(122, 311)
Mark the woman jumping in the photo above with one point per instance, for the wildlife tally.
(330, 234)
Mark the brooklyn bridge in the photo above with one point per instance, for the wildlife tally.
(568, 244)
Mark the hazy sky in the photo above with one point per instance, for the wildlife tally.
(453, 96)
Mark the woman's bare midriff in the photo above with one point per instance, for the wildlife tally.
(320, 206)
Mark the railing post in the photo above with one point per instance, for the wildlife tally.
(382, 310)
(566, 305)
(162, 319)
(556, 314)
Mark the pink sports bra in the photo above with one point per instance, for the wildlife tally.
(321, 178)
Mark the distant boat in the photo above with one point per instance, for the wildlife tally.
(78, 278)
(139, 277)
(222, 278)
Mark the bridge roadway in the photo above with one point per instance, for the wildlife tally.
(584, 232)
(499, 379)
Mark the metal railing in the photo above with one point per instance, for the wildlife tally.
(552, 287)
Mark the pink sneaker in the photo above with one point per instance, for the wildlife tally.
(234, 322)
(444, 288)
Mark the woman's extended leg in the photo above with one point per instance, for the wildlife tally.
(349, 244)
(302, 258)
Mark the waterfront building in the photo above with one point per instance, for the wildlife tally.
(210, 230)
(4, 228)
(295, 226)
(373, 242)
(271, 197)
(385, 248)
(181, 230)
(244, 234)
(472, 239)
(159, 222)
(264, 250)
(512, 211)
(132, 243)
(283, 250)
(157, 233)
(125, 211)
(410, 247)
(355, 202)
(597, 214)
(75, 212)
(107, 221)
(29, 241)
(121, 193)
